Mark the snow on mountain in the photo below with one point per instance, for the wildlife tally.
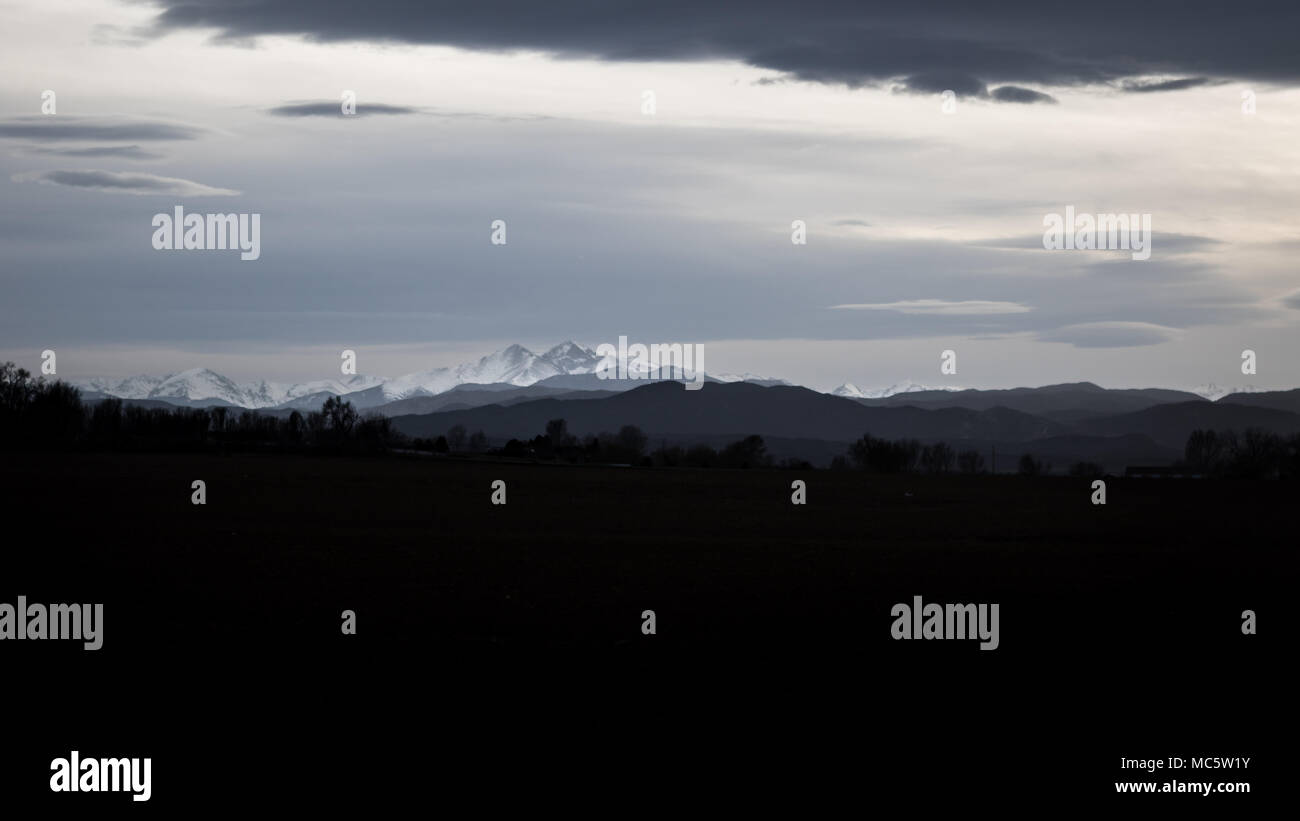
(199, 384)
(515, 365)
(852, 391)
(266, 394)
(571, 358)
(134, 387)
(1214, 393)
(747, 377)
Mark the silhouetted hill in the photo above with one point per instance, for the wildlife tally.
(1067, 403)
(1170, 425)
(1278, 400)
(736, 408)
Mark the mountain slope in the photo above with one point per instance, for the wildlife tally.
(852, 391)
(1070, 402)
(737, 408)
(1279, 400)
(1170, 425)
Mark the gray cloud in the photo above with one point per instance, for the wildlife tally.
(965, 85)
(962, 85)
(941, 307)
(1163, 243)
(125, 152)
(1139, 86)
(60, 127)
(1110, 334)
(334, 109)
(124, 183)
(1016, 94)
(831, 41)
(1292, 301)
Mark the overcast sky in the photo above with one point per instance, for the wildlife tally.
(924, 228)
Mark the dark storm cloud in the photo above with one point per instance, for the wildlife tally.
(335, 109)
(963, 85)
(85, 129)
(833, 41)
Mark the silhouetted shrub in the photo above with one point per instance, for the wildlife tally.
(1086, 470)
(937, 458)
(883, 456)
(970, 461)
(1029, 466)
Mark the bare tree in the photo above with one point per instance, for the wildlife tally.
(456, 437)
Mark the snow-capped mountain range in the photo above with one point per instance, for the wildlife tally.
(852, 391)
(515, 365)
(201, 384)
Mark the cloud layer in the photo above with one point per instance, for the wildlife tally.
(930, 44)
(65, 128)
(940, 307)
(119, 182)
(314, 109)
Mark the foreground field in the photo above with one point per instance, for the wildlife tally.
(417, 549)
(1120, 625)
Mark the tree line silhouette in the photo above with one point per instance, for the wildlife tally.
(629, 446)
(41, 414)
(1254, 454)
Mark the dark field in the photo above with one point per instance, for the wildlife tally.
(1120, 625)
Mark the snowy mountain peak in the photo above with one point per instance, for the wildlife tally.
(569, 357)
(852, 391)
(1214, 393)
(747, 377)
(135, 386)
(198, 383)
